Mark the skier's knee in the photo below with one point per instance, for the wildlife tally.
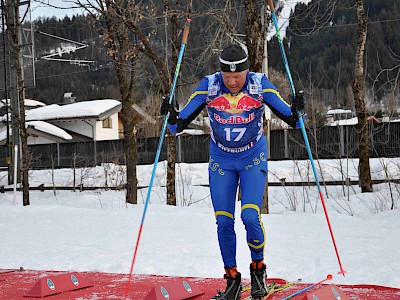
(250, 215)
(225, 223)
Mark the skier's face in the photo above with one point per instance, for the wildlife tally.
(234, 81)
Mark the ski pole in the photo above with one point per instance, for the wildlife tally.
(303, 130)
(159, 147)
(328, 277)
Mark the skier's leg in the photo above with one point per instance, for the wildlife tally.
(223, 188)
(252, 183)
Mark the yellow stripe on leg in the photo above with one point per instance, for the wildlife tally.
(223, 213)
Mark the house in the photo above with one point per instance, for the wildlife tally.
(336, 116)
(74, 121)
(80, 121)
(86, 120)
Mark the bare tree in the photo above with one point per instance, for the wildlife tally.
(359, 95)
(390, 86)
(129, 30)
(255, 34)
(171, 139)
(14, 21)
(321, 18)
(112, 15)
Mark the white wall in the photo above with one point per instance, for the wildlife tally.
(79, 126)
(88, 126)
(107, 133)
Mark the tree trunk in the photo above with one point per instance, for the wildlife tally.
(13, 26)
(23, 135)
(126, 77)
(255, 35)
(171, 192)
(130, 150)
(171, 140)
(358, 91)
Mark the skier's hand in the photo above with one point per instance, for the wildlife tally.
(297, 103)
(164, 105)
(167, 107)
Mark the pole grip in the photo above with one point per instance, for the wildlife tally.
(186, 32)
(271, 5)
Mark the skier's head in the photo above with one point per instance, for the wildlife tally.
(233, 58)
(234, 67)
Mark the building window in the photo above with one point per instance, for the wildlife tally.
(107, 123)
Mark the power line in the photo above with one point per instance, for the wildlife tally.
(77, 72)
(343, 25)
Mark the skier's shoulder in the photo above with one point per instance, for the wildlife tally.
(258, 76)
(213, 78)
(207, 81)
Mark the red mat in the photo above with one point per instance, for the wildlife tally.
(15, 284)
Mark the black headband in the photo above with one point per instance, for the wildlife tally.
(233, 59)
(234, 66)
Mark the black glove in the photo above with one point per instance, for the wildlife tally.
(297, 103)
(167, 107)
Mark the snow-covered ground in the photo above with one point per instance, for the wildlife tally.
(97, 231)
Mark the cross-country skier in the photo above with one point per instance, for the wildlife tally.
(235, 98)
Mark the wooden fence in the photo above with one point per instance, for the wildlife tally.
(326, 142)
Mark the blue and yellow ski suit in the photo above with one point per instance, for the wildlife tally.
(238, 153)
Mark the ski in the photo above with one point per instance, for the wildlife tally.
(271, 289)
(274, 288)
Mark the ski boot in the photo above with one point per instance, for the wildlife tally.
(233, 289)
(258, 275)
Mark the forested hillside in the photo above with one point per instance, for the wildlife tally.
(320, 41)
(54, 78)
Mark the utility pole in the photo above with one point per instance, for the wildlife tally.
(4, 86)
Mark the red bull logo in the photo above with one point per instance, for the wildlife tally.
(220, 103)
(248, 103)
(234, 104)
(234, 119)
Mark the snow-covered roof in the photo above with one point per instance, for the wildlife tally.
(42, 129)
(338, 111)
(352, 121)
(94, 109)
(49, 129)
(28, 103)
(191, 132)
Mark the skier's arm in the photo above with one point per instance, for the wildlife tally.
(279, 106)
(197, 100)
